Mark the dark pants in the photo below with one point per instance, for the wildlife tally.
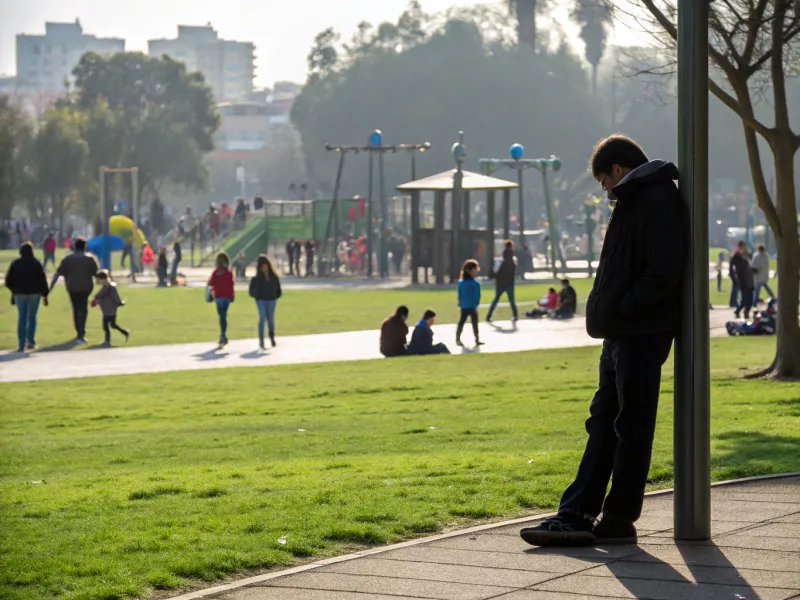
(291, 264)
(498, 292)
(471, 313)
(49, 257)
(734, 302)
(393, 352)
(309, 266)
(80, 310)
(439, 349)
(109, 323)
(621, 425)
(746, 302)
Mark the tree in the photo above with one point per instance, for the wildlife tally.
(9, 119)
(594, 18)
(752, 45)
(526, 11)
(149, 113)
(323, 58)
(60, 154)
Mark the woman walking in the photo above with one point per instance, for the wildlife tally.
(221, 286)
(469, 298)
(504, 281)
(265, 289)
(28, 284)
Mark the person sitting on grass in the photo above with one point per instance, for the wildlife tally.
(567, 301)
(547, 305)
(469, 298)
(422, 337)
(109, 301)
(393, 333)
(221, 285)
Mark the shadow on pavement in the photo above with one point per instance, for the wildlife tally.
(68, 345)
(14, 356)
(255, 354)
(498, 329)
(213, 354)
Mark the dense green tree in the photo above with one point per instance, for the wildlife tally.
(14, 129)
(149, 113)
(60, 155)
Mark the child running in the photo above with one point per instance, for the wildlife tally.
(109, 301)
(221, 284)
(469, 298)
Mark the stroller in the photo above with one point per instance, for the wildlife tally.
(764, 322)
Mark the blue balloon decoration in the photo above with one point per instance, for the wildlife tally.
(517, 150)
(375, 138)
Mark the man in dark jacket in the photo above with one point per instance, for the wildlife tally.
(744, 278)
(79, 270)
(567, 301)
(422, 337)
(28, 285)
(633, 306)
(393, 333)
(504, 281)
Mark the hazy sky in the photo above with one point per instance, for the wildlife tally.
(282, 31)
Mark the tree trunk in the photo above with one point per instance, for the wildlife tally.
(787, 359)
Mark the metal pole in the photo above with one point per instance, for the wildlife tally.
(105, 263)
(335, 209)
(691, 448)
(135, 214)
(551, 224)
(384, 264)
(370, 227)
(521, 190)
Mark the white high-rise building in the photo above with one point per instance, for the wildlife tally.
(228, 67)
(45, 62)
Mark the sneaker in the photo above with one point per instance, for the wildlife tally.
(459, 343)
(488, 319)
(261, 346)
(615, 531)
(80, 341)
(272, 341)
(561, 530)
(21, 350)
(479, 343)
(223, 342)
(127, 335)
(30, 346)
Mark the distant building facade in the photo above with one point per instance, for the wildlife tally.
(228, 66)
(45, 62)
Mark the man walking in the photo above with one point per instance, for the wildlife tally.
(761, 269)
(742, 274)
(78, 269)
(49, 248)
(633, 308)
(504, 281)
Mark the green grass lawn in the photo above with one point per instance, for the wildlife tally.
(115, 487)
(176, 315)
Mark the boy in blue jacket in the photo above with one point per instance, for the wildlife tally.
(422, 337)
(469, 298)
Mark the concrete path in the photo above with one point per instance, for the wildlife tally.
(754, 554)
(501, 336)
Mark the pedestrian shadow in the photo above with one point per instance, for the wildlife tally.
(498, 329)
(254, 355)
(68, 345)
(472, 350)
(11, 357)
(213, 354)
(706, 573)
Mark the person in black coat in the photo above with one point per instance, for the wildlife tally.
(27, 282)
(504, 281)
(422, 337)
(633, 307)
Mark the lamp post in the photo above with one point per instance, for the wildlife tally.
(520, 164)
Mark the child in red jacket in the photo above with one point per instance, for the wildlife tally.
(221, 286)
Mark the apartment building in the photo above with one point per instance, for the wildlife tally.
(228, 66)
(45, 62)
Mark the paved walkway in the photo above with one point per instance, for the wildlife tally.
(754, 554)
(501, 336)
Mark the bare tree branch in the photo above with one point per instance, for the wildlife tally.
(748, 119)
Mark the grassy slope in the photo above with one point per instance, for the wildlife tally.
(115, 486)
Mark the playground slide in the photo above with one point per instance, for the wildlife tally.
(252, 241)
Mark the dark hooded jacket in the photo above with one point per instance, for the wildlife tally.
(636, 288)
(504, 277)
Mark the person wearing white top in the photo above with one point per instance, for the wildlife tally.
(761, 270)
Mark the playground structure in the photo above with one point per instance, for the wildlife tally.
(282, 220)
(123, 227)
(452, 240)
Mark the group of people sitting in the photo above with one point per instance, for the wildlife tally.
(556, 305)
(394, 332)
